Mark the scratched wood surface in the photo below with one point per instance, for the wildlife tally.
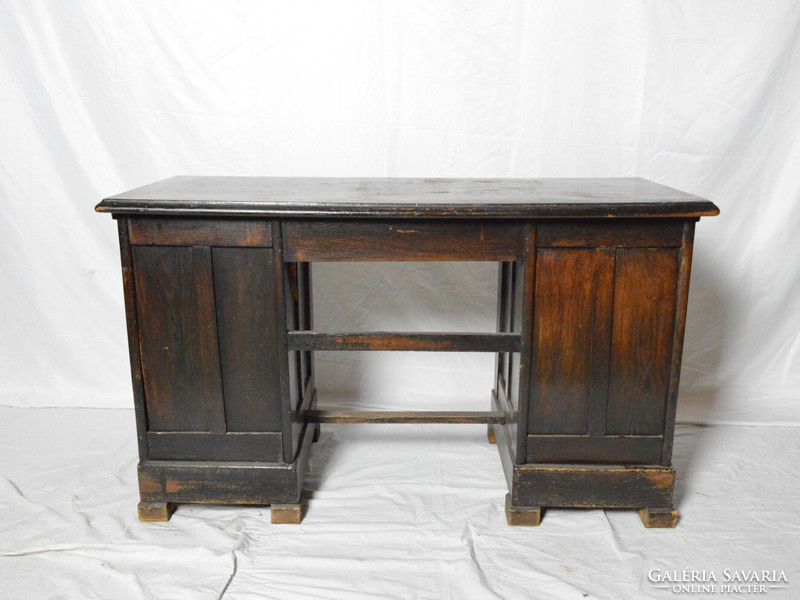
(405, 197)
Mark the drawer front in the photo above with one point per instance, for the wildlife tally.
(155, 231)
(390, 240)
(611, 233)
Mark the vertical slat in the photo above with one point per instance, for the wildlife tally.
(178, 338)
(131, 318)
(501, 300)
(603, 291)
(681, 300)
(302, 322)
(309, 324)
(244, 284)
(293, 319)
(526, 326)
(509, 323)
(641, 340)
(288, 420)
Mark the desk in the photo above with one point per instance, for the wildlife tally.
(592, 289)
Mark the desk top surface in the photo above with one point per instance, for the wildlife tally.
(406, 197)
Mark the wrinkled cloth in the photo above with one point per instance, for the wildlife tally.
(396, 511)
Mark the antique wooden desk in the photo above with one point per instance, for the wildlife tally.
(593, 283)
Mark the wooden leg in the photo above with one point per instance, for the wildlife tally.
(659, 517)
(287, 514)
(154, 512)
(492, 439)
(522, 516)
(317, 431)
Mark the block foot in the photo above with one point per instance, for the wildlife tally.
(287, 514)
(317, 431)
(659, 517)
(522, 516)
(155, 512)
(490, 435)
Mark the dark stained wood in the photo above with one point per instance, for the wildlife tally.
(641, 340)
(283, 306)
(408, 198)
(617, 233)
(502, 399)
(600, 355)
(681, 300)
(513, 369)
(591, 309)
(585, 486)
(562, 340)
(219, 482)
(503, 317)
(152, 231)
(628, 450)
(305, 321)
(225, 482)
(424, 416)
(504, 443)
(522, 320)
(265, 447)
(178, 338)
(522, 516)
(247, 327)
(129, 288)
(396, 240)
(664, 517)
(155, 512)
(421, 342)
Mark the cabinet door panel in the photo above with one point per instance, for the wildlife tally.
(641, 340)
(178, 338)
(244, 287)
(602, 347)
(571, 302)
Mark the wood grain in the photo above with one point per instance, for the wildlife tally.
(628, 450)
(408, 198)
(178, 338)
(153, 231)
(397, 240)
(562, 341)
(616, 233)
(247, 325)
(419, 416)
(203, 446)
(401, 341)
(584, 486)
(641, 340)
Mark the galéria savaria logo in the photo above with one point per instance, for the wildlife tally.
(725, 581)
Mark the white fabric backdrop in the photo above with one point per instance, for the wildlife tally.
(98, 97)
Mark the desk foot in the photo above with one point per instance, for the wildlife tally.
(287, 514)
(155, 512)
(522, 516)
(490, 434)
(317, 431)
(659, 517)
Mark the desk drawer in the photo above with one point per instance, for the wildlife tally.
(155, 231)
(611, 233)
(402, 239)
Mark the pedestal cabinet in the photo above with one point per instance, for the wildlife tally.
(592, 291)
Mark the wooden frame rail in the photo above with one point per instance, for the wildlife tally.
(413, 416)
(418, 342)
